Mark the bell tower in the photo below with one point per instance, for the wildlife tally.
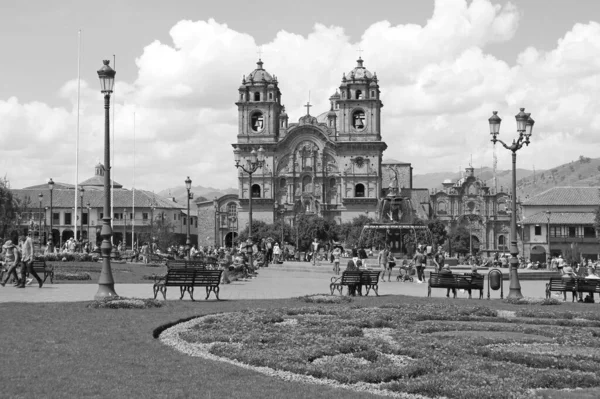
(359, 106)
(259, 107)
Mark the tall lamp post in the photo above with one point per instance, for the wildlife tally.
(41, 196)
(89, 209)
(124, 247)
(257, 160)
(524, 128)
(51, 187)
(106, 283)
(188, 242)
(81, 191)
(548, 214)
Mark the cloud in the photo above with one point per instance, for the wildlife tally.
(439, 85)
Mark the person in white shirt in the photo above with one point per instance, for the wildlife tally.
(276, 253)
(27, 251)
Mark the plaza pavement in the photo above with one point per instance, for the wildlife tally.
(271, 283)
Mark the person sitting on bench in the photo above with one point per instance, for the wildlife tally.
(445, 271)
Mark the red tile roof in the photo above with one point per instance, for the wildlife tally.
(121, 198)
(583, 196)
(561, 218)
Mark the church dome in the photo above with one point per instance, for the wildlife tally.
(260, 74)
(335, 96)
(360, 72)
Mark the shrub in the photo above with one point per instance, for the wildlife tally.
(125, 303)
(72, 276)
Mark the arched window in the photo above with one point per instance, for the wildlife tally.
(270, 96)
(372, 93)
(255, 191)
(306, 184)
(231, 213)
(241, 96)
(502, 243)
(257, 121)
(358, 119)
(257, 96)
(359, 95)
(282, 183)
(442, 208)
(343, 94)
(502, 207)
(359, 190)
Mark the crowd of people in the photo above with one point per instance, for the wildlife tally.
(17, 263)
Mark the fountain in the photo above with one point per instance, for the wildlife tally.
(396, 217)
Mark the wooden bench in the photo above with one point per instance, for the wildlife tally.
(561, 285)
(43, 269)
(351, 279)
(370, 280)
(456, 282)
(187, 279)
(589, 286)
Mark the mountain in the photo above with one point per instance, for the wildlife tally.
(208, 193)
(583, 172)
(504, 178)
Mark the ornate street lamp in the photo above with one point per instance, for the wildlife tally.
(41, 196)
(257, 160)
(81, 191)
(524, 128)
(548, 214)
(188, 242)
(89, 209)
(106, 283)
(124, 247)
(51, 187)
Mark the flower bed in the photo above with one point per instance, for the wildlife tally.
(72, 276)
(125, 303)
(401, 350)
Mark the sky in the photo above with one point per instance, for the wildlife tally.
(443, 67)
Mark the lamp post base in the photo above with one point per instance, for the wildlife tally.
(105, 291)
(515, 285)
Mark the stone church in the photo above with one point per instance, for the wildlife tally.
(328, 165)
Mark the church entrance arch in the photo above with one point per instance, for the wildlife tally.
(230, 239)
(538, 254)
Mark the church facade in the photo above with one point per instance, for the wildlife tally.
(470, 203)
(328, 165)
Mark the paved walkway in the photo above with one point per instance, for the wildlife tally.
(270, 284)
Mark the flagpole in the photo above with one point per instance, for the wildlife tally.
(133, 205)
(77, 137)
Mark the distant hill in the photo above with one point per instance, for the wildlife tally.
(583, 172)
(207, 193)
(504, 178)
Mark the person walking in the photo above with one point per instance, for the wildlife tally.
(362, 255)
(336, 253)
(382, 259)
(315, 250)
(12, 258)
(27, 253)
(276, 254)
(420, 261)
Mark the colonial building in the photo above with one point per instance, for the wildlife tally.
(469, 202)
(218, 221)
(135, 211)
(560, 221)
(328, 165)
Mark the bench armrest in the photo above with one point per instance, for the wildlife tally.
(336, 279)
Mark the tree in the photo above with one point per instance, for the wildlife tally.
(10, 209)
(311, 226)
(438, 232)
(459, 240)
(352, 232)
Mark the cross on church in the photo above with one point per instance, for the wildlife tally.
(259, 52)
(307, 107)
(359, 52)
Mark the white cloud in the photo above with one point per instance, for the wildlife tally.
(439, 86)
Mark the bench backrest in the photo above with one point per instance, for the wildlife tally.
(208, 277)
(351, 277)
(456, 279)
(370, 276)
(588, 284)
(441, 279)
(180, 275)
(185, 264)
(38, 264)
(559, 283)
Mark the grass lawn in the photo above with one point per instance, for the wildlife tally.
(68, 350)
